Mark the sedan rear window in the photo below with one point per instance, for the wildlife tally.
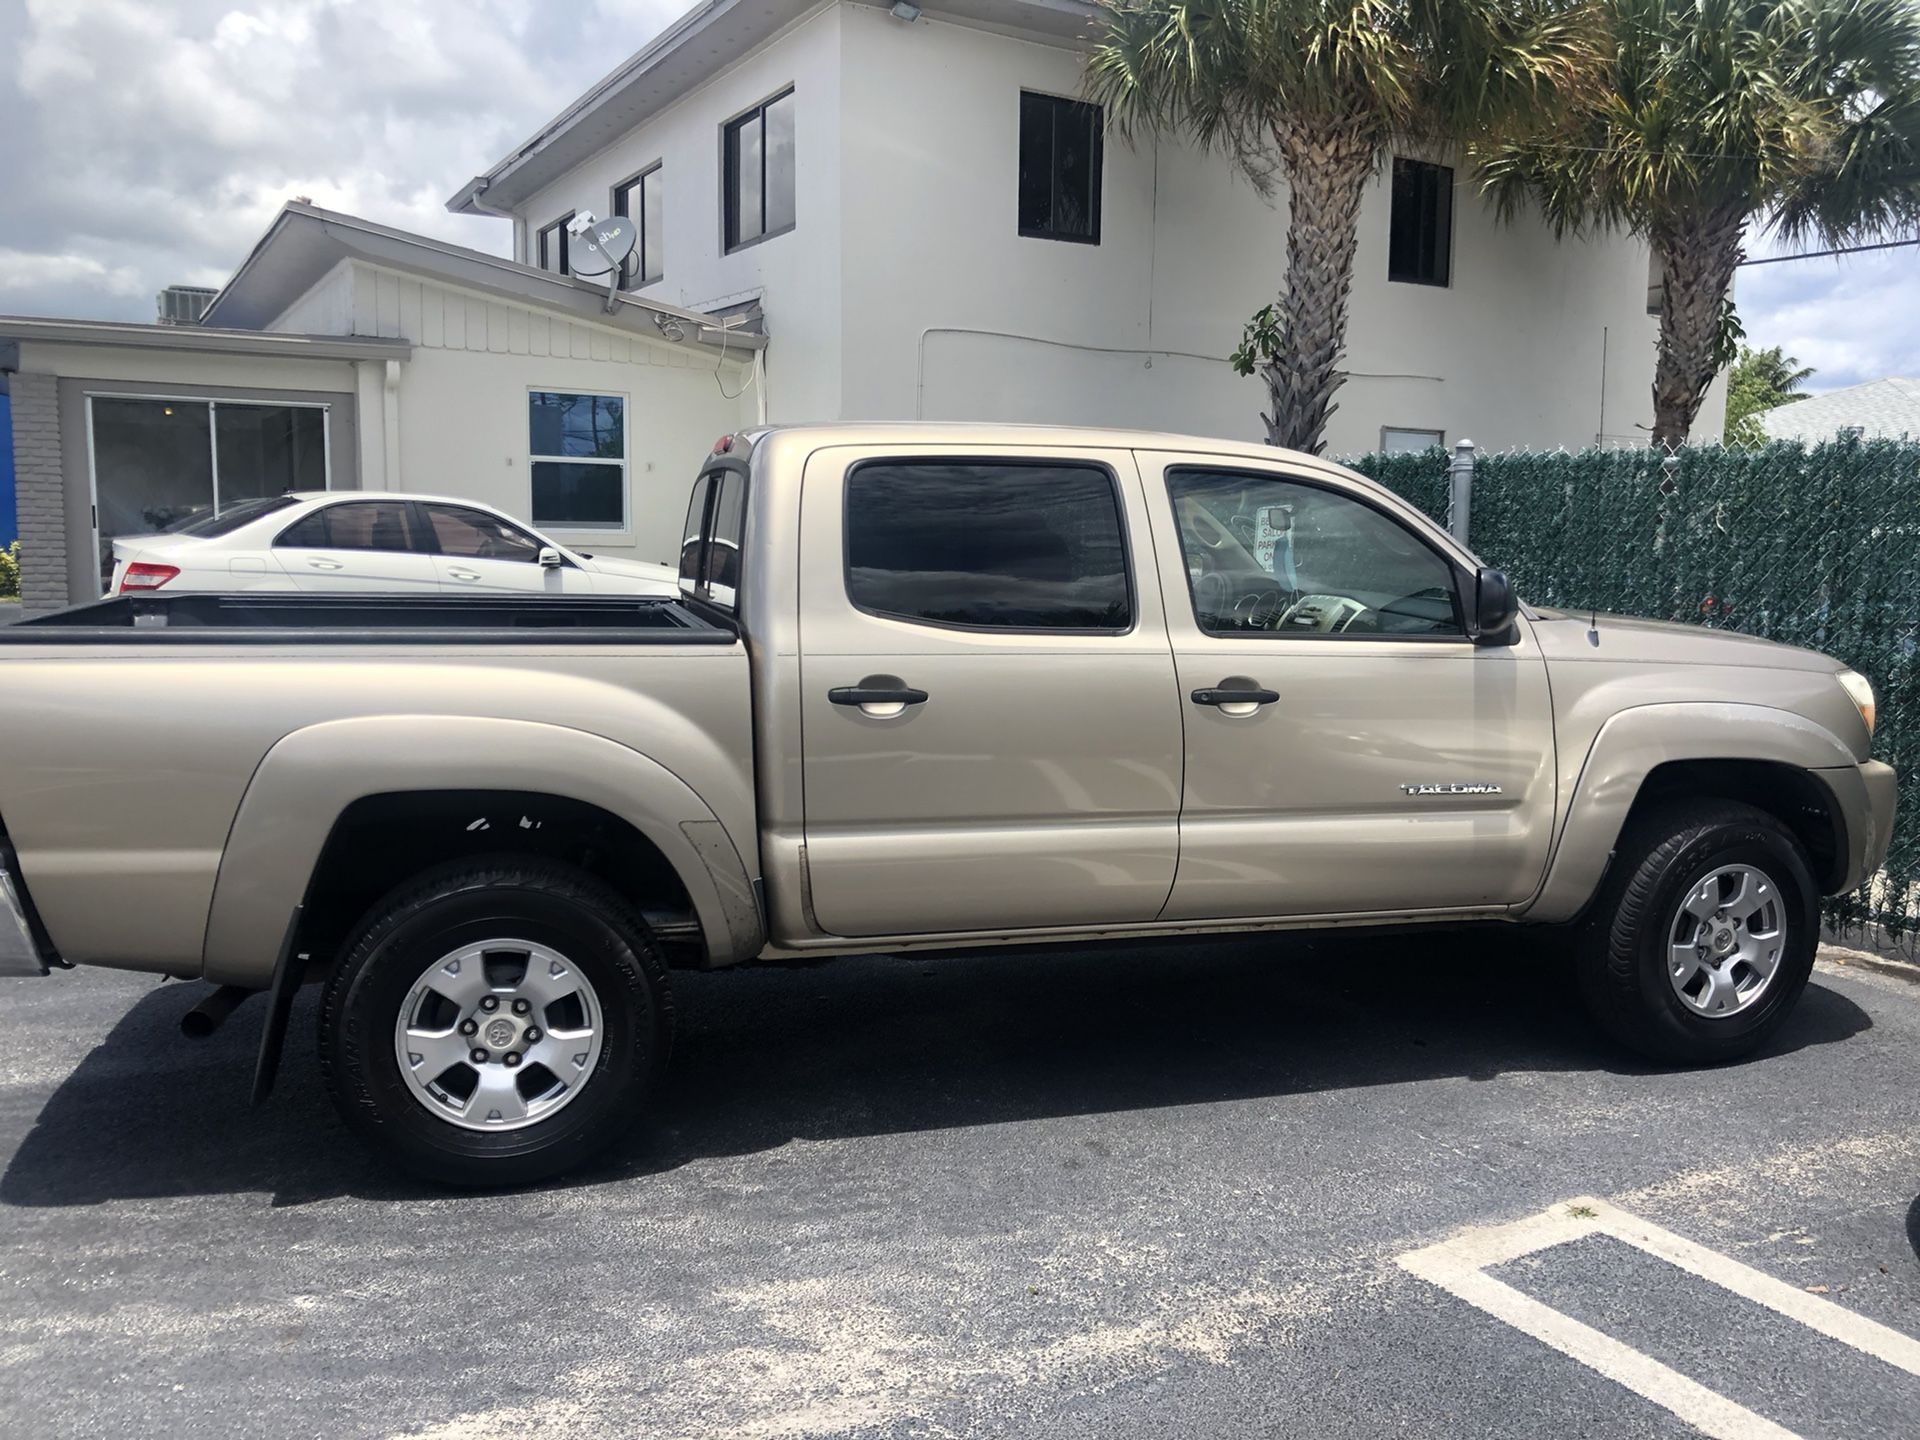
(209, 526)
(354, 525)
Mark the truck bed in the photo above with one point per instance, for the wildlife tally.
(336, 619)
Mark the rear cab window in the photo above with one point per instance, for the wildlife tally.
(1014, 545)
(711, 547)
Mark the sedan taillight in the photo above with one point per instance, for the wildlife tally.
(141, 576)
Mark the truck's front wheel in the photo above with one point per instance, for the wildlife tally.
(495, 1022)
(1704, 936)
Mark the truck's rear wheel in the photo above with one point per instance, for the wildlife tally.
(1704, 936)
(495, 1022)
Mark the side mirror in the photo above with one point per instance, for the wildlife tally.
(550, 558)
(1495, 607)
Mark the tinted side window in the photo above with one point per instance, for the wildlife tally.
(1267, 554)
(997, 545)
(358, 525)
(479, 536)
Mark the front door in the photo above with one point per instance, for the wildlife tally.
(478, 550)
(991, 734)
(1349, 750)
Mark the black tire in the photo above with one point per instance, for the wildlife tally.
(530, 899)
(1622, 956)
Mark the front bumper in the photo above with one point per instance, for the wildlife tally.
(1866, 794)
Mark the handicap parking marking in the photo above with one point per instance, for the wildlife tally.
(1459, 1266)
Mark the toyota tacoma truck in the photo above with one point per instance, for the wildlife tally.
(924, 687)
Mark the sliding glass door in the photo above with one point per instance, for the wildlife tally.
(159, 462)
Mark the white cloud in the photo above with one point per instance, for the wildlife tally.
(1850, 317)
(150, 144)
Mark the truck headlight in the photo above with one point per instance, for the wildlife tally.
(1859, 690)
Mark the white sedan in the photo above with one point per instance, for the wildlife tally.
(342, 541)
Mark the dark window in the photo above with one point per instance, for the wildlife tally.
(716, 529)
(1270, 555)
(476, 535)
(355, 525)
(1060, 150)
(639, 199)
(553, 246)
(210, 527)
(577, 445)
(759, 172)
(1009, 545)
(1420, 240)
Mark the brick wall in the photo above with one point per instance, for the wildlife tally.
(40, 492)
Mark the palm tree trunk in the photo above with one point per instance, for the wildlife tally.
(1697, 258)
(1327, 165)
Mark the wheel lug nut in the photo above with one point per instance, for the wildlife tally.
(469, 1027)
(512, 1057)
(533, 1035)
(521, 1007)
(479, 1057)
(490, 1002)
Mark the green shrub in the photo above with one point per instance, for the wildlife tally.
(10, 572)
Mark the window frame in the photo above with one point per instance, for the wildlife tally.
(1439, 438)
(432, 536)
(625, 462)
(716, 470)
(1446, 235)
(617, 198)
(556, 228)
(213, 400)
(1456, 573)
(1015, 461)
(729, 219)
(419, 537)
(1098, 168)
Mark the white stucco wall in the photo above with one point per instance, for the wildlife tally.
(796, 275)
(455, 415)
(1509, 354)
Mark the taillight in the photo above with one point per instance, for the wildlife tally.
(141, 576)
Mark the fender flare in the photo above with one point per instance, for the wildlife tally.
(1629, 746)
(311, 775)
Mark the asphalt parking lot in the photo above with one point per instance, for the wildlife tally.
(1313, 1187)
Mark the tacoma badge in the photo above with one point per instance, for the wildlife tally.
(1453, 787)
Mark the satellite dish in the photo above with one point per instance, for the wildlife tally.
(602, 246)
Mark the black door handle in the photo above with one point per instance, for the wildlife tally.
(875, 695)
(1235, 697)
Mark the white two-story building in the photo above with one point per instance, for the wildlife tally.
(933, 226)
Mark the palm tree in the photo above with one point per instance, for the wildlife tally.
(1760, 380)
(1802, 114)
(1312, 92)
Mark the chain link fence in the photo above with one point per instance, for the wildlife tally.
(1808, 545)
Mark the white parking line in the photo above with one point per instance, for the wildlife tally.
(1459, 1266)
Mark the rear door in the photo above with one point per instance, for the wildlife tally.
(991, 736)
(478, 550)
(357, 545)
(1349, 750)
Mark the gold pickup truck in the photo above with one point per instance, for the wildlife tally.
(924, 687)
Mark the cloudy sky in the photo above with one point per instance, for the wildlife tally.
(148, 142)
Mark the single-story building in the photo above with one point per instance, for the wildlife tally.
(1885, 409)
(348, 355)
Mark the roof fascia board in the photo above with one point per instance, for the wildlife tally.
(471, 197)
(192, 338)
